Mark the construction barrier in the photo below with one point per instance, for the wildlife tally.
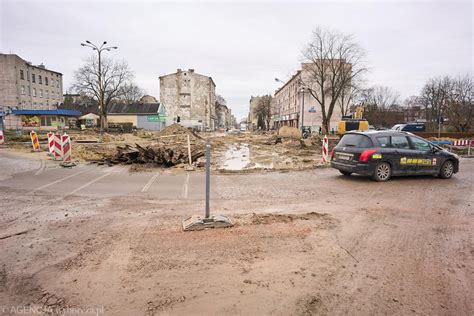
(325, 149)
(51, 143)
(35, 141)
(462, 142)
(2, 138)
(58, 148)
(66, 147)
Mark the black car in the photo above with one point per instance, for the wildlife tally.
(382, 154)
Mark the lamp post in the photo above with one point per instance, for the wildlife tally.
(279, 108)
(99, 50)
(302, 110)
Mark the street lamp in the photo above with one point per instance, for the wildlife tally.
(302, 110)
(279, 108)
(99, 50)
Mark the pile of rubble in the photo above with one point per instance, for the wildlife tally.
(169, 149)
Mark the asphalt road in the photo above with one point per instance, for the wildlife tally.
(305, 242)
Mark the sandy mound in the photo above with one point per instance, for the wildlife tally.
(290, 132)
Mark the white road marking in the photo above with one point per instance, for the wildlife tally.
(57, 181)
(150, 182)
(89, 183)
(185, 186)
(41, 168)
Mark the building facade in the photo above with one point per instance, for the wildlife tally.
(293, 104)
(252, 121)
(26, 86)
(189, 99)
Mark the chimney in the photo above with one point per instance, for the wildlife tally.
(179, 70)
(191, 70)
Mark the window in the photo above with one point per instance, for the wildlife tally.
(22, 89)
(47, 94)
(27, 75)
(34, 92)
(400, 142)
(52, 94)
(41, 93)
(40, 80)
(29, 90)
(46, 80)
(355, 140)
(33, 78)
(22, 75)
(57, 83)
(420, 144)
(384, 141)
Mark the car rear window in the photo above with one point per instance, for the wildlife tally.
(355, 140)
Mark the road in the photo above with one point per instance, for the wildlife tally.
(109, 241)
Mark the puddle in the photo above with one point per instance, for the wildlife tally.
(237, 157)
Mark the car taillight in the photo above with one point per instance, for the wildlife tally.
(364, 157)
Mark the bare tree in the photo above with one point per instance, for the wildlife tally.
(459, 109)
(348, 98)
(220, 99)
(434, 96)
(130, 93)
(114, 76)
(334, 62)
(263, 111)
(379, 98)
(381, 106)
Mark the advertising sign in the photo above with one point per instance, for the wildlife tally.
(30, 121)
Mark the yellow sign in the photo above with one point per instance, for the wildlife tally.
(417, 161)
(377, 156)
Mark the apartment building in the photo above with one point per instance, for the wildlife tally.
(189, 99)
(293, 104)
(27, 86)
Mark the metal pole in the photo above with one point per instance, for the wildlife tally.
(302, 112)
(190, 159)
(208, 177)
(101, 101)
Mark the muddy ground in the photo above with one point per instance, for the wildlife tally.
(231, 152)
(307, 242)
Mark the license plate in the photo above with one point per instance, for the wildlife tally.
(345, 157)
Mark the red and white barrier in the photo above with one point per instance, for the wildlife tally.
(35, 141)
(2, 138)
(58, 147)
(66, 147)
(462, 142)
(51, 143)
(325, 149)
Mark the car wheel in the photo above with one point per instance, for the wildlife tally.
(447, 170)
(382, 172)
(346, 173)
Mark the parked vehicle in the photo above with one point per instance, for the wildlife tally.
(409, 127)
(383, 154)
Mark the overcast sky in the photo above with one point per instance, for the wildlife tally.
(243, 46)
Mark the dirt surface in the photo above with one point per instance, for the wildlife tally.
(304, 243)
(230, 152)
